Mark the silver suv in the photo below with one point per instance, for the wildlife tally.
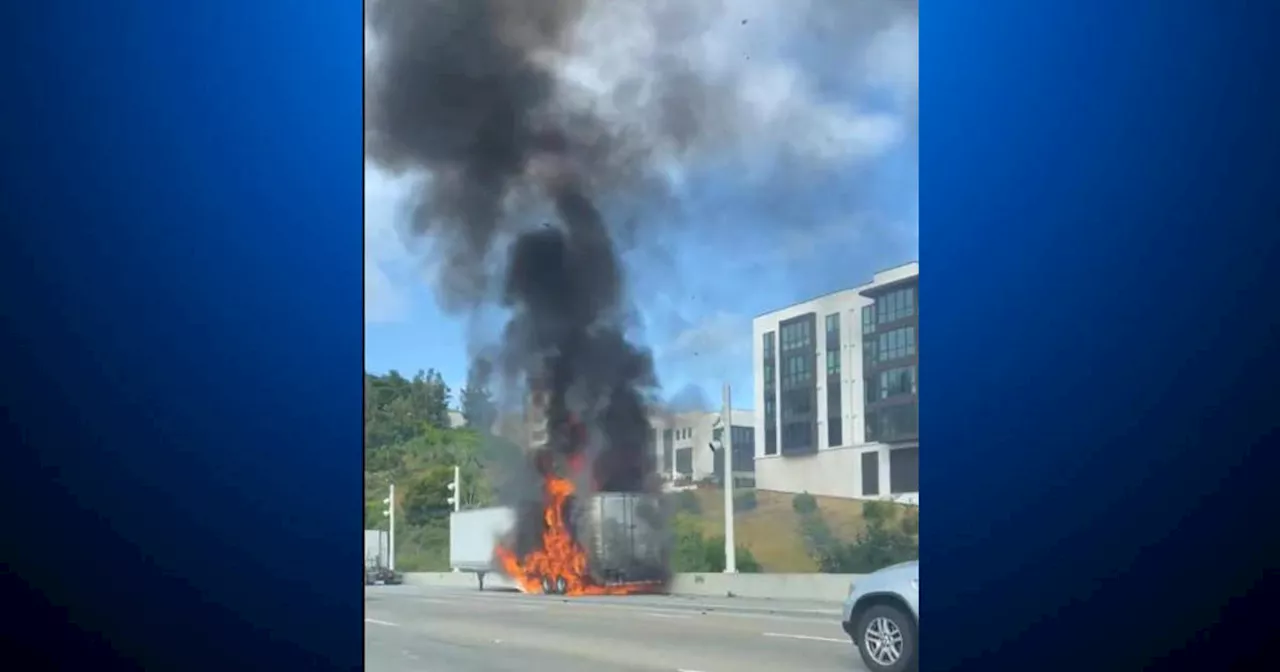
(882, 616)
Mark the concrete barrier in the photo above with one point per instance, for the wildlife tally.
(492, 580)
(815, 587)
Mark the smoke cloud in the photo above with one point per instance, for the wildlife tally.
(549, 137)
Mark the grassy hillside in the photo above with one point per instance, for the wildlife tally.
(772, 529)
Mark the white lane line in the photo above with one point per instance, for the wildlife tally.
(681, 669)
(377, 622)
(806, 637)
(657, 615)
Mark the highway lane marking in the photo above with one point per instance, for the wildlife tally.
(657, 615)
(805, 637)
(377, 622)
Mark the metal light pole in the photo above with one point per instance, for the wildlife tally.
(726, 446)
(390, 501)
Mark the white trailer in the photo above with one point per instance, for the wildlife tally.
(473, 536)
(377, 548)
(623, 535)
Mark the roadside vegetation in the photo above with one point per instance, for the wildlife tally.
(804, 533)
(409, 442)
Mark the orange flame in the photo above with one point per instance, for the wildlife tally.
(560, 556)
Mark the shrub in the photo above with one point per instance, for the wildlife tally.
(911, 521)
(877, 512)
(745, 501)
(746, 561)
(804, 503)
(688, 502)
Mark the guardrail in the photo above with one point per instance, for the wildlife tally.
(816, 587)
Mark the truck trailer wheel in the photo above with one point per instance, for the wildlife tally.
(547, 587)
(561, 585)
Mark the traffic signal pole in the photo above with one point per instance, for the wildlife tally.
(455, 498)
(391, 527)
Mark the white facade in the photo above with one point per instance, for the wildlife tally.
(692, 458)
(834, 470)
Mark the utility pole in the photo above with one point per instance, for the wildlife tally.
(390, 501)
(726, 445)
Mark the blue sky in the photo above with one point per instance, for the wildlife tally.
(819, 195)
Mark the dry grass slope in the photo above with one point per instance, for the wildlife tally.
(772, 529)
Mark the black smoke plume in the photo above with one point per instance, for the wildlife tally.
(456, 92)
(522, 173)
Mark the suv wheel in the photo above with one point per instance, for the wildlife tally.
(887, 639)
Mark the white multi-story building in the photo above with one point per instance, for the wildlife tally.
(682, 446)
(836, 385)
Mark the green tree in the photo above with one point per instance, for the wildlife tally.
(429, 399)
(476, 400)
(426, 498)
(409, 442)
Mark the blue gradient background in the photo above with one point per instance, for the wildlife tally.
(182, 198)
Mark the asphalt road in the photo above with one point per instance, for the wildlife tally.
(416, 629)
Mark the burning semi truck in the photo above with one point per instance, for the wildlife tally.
(570, 539)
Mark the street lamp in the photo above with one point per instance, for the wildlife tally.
(722, 442)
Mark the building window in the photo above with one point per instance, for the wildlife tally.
(896, 344)
(744, 451)
(900, 422)
(799, 385)
(904, 470)
(894, 382)
(869, 319)
(896, 305)
(770, 396)
(668, 450)
(835, 429)
(684, 461)
(870, 474)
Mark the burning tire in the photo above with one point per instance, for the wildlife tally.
(561, 585)
(548, 588)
